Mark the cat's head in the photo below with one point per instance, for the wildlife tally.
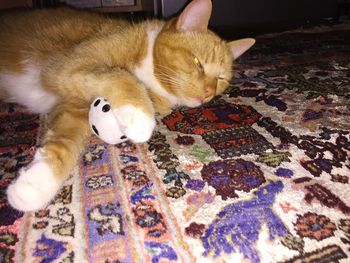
(190, 61)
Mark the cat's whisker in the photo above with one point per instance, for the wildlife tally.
(171, 73)
(179, 78)
(173, 82)
(166, 76)
(166, 68)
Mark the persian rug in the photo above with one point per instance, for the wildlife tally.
(260, 174)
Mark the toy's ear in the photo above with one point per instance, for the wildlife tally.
(238, 47)
(195, 17)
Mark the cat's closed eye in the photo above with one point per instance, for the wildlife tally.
(222, 79)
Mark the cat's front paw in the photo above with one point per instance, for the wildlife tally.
(35, 186)
(136, 124)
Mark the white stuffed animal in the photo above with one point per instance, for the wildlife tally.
(104, 123)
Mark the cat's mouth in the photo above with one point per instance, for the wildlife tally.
(193, 102)
(196, 102)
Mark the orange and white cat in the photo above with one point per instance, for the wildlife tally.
(57, 61)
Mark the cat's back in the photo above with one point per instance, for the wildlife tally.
(39, 33)
(30, 39)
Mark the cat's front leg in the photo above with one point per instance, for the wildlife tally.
(35, 186)
(131, 105)
(38, 183)
(137, 125)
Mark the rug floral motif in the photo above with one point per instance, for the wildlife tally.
(260, 174)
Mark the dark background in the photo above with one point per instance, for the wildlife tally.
(230, 18)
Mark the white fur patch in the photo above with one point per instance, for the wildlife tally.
(35, 186)
(145, 72)
(137, 125)
(26, 89)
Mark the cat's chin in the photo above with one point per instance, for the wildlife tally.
(192, 103)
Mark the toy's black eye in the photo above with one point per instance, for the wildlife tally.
(106, 108)
(123, 137)
(95, 130)
(97, 102)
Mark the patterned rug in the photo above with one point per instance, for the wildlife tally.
(261, 174)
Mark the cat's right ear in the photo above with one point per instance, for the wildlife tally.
(195, 17)
(238, 47)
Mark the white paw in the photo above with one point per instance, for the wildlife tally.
(137, 125)
(35, 186)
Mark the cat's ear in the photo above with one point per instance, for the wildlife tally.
(195, 17)
(238, 47)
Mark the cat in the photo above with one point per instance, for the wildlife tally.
(56, 61)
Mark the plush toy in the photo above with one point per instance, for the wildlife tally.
(103, 123)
